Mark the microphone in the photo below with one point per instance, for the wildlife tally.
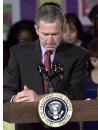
(43, 72)
(58, 68)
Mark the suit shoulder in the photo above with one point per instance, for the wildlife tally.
(81, 49)
(24, 46)
(74, 50)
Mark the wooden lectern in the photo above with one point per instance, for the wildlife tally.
(28, 112)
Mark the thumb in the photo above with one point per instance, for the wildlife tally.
(26, 87)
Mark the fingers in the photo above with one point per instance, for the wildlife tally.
(19, 96)
(24, 99)
(26, 87)
(26, 95)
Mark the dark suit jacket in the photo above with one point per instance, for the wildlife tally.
(22, 70)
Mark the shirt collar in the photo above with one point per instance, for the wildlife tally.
(43, 50)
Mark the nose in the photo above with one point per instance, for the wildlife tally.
(50, 38)
(68, 33)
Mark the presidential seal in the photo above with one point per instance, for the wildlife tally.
(55, 109)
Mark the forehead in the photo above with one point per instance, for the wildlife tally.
(45, 24)
(94, 58)
(70, 25)
(24, 33)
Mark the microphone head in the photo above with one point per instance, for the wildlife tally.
(41, 69)
(58, 69)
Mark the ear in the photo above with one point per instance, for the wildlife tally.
(36, 29)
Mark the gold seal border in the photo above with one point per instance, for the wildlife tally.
(41, 109)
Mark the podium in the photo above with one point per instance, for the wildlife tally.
(28, 112)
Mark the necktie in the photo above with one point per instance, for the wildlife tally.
(47, 64)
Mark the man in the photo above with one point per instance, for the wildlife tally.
(22, 82)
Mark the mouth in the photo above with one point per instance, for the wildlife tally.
(70, 41)
(50, 45)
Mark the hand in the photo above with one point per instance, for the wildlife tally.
(26, 95)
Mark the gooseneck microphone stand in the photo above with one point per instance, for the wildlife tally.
(44, 74)
(58, 72)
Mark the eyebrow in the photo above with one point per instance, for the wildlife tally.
(50, 33)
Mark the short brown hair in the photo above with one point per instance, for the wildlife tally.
(50, 12)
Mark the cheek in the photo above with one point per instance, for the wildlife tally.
(97, 63)
(65, 34)
(74, 36)
(94, 64)
(41, 37)
(60, 37)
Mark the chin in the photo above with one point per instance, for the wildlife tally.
(50, 49)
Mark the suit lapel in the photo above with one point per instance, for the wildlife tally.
(60, 57)
(36, 56)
